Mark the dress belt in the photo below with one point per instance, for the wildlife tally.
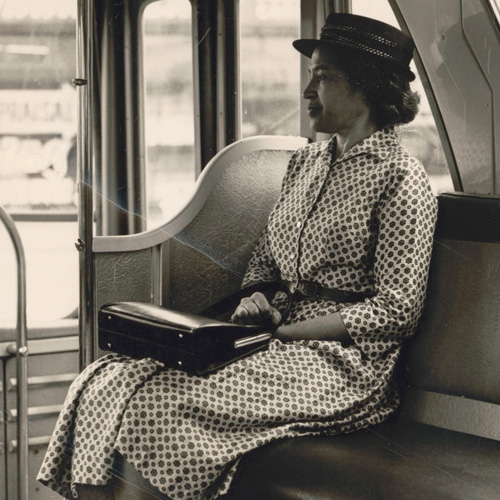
(313, 290)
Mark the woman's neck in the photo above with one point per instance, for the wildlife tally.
(346, 141)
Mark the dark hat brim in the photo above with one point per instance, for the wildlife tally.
(307, 46)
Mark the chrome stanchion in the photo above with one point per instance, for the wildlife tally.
(88, 347)
(21, 352)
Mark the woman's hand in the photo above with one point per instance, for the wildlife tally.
(256, 310)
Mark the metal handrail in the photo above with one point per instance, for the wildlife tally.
(21, 353)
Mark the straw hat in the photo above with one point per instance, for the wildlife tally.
(364, 35)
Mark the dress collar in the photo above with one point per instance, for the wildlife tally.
(380, 144)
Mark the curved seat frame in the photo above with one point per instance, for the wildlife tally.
(204, 186)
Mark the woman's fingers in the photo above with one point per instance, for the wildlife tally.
(253, 306)
(260, 305)
(267, 312)
(247, 313)
(241, 315)
(255, 310)
(276, 317)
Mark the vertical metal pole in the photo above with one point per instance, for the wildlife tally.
(88, 350)
(21, 360)
(228, 74)
(340, 6)
(205, 79)
(312, 18)
(156, 276)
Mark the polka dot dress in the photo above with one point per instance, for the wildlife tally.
(362, 223)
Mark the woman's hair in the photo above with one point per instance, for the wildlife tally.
(384, 85)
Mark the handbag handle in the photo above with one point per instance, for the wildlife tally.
(228, 304)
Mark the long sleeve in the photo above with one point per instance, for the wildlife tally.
(406, 218)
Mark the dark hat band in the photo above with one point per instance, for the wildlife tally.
(368, 42)
(353, 32)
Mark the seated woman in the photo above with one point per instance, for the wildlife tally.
(355, 218)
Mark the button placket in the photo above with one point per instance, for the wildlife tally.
(322, 168)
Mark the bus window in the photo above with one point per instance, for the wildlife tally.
(270, 68)
(169, 119)
(38, 154)
(420, 137)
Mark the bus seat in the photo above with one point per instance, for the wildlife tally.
(445, 442)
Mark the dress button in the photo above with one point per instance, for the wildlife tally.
(298, 225)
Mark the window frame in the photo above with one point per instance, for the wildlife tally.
(436, 113)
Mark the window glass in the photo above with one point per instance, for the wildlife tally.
(169, 118)
(420, 137)
(270, 67)
(38, 107)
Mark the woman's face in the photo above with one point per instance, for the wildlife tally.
(332, 106)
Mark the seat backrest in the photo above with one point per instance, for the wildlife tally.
(454, 359)
(206, 247)
(208, 258)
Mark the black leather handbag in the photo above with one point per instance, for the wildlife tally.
(196, 344)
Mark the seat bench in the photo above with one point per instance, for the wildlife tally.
(402, 460)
